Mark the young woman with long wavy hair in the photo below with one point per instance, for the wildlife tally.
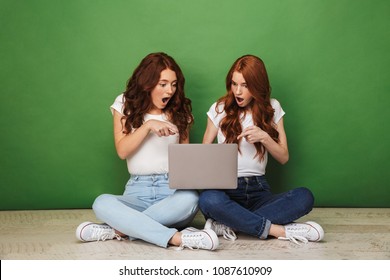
(248, 116)
(152, 113)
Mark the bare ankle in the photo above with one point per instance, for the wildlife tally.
(176, 239)
(277, 231)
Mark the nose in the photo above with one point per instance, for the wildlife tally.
(170, 89)
(238, 89)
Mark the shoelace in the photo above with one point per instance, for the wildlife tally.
(102, 234)
(229, 234)
(226, 231)
(193, 240)
(295, 239)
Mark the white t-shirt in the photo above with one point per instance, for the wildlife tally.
(248, 163)
(152, 156)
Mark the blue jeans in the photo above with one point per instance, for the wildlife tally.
(252, 208)
(148, 209)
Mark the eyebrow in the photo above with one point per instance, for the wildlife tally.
(237, 83)
(164, 80)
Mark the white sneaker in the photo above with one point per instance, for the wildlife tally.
(304, 232)
(198, 239)
(89, 231)
(220, 229)
(189, 230)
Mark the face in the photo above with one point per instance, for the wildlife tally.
(240, 90)
(163, 91)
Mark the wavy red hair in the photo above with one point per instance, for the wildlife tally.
(137, 98)
(255, 74)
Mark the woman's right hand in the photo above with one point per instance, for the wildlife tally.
(128, 143)
(161, 128)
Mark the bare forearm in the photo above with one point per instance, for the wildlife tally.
(278, 151)
(210, 133)
(129, 143)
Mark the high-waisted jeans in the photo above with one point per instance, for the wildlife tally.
(252, 208)
(148, 209)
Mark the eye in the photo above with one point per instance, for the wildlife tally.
(234, 83)
(174, 85)
(162, 84)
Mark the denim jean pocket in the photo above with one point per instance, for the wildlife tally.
(131, 180)
(262, 184)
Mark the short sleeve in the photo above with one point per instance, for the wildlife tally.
(117, 105)
(215, 116)
(279, 113)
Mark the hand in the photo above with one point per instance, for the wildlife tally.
(253, 134)
(161, 128)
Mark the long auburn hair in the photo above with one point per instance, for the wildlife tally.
(253, 70)
(137, 96)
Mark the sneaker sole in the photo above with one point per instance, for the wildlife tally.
(318, 229)
(213, 237)
(80, 229)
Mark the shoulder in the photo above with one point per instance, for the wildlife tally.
(120, 99)
(217, 107)
(279, 112)
(118, 104)
(216, 113)
(275, 103)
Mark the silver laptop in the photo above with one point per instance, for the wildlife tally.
(202, 166)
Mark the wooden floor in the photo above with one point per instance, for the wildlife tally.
(350, 233)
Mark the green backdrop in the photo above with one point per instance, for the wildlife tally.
(62, 63)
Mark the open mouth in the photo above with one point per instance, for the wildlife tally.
(239, 99)
(165, 100)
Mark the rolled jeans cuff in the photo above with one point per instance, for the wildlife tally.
(267, 227)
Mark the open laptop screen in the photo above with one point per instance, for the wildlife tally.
(202, 166)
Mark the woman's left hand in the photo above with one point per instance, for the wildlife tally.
(253, 134)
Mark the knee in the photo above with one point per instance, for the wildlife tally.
(306, 198)
(101, 202)
(186, 201)
(189, 197)
(209, 198)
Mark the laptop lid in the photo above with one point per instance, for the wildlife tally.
(202, 166)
